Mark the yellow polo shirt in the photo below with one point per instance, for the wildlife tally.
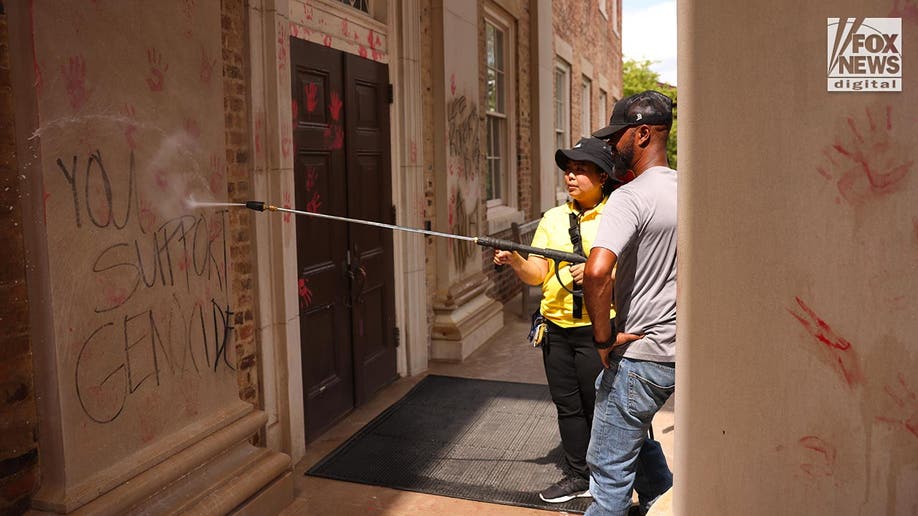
(552, 233)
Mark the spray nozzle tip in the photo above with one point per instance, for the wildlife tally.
(256, 205)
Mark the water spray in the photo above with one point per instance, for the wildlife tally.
(493, 243)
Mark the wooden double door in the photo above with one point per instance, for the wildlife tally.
(345, 270)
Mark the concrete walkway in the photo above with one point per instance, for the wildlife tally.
(507, 356)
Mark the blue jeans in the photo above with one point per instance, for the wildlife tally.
(628, 394)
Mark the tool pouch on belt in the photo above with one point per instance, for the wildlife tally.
(538, 333)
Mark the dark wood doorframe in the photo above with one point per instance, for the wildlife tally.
(345, 271)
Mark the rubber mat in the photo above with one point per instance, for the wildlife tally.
(483, 440)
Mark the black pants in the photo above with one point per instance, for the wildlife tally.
(571, 366)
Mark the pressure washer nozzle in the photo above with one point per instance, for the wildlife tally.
(256, 205)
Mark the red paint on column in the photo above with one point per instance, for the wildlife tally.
(835, 350)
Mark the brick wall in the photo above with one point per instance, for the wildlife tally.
(19, 470)
(594, 40)
(238, 155)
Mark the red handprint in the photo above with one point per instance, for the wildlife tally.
(906, 399)
(835, 350)
(311, 176)
(207, 66)
(287, 206)
(821, 456)
(286, 143)
(867, 164)
(311, 90)
(192, 129)
(315, 203)
(334, 108)
(157, 79)
(304, 292)
(282, 46)
(130, 126)
(217, 175)
(147, 216)
(75, 75)
(327, 40)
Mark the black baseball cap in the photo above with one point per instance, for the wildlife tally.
(648, 107)
(588, 149)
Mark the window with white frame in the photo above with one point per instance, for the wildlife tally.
(500, 177)
(562, 100)
(601, 109)
(586, 122)
(602, 9)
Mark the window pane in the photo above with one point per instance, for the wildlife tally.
(491, 100)
(490, 44)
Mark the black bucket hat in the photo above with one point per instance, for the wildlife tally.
(648, 107)
(588, 149)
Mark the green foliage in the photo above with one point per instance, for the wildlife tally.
(637, 77)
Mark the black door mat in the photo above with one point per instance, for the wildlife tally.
(483, 440)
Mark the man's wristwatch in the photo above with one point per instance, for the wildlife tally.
(604, 345)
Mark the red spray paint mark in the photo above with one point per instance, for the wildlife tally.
(345, 31)
(377, 55)
(837, 351)
(864, 165)
(307, 10)
(311, 90)
(822, 457)
(413, 152)
(130, 127)
(295, 111)
(294, 30)
(905, 9)
(314, 204)
(157, 79)
(327, 40)
(75, 76)
(304, 292)
(363, 51)
(907, 401)
(287, 206)
(207, 66)
(452, 84)
(334, 109)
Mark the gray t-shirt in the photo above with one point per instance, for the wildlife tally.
(639, 226)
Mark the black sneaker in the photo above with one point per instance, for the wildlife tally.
(567, 488)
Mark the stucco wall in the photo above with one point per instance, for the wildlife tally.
(797, 269)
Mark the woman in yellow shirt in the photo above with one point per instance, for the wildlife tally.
(571, 361)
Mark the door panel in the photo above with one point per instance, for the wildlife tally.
(320, 186)
(345, 284)
(370, 197)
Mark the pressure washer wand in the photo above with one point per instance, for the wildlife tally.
(493, 243)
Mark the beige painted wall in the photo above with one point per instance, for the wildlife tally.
(798, 253)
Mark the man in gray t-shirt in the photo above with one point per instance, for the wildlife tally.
(637, 232)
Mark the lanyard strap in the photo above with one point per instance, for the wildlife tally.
(576, 240)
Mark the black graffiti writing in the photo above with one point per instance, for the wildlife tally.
(193, 244)
(121, 356)
(97, 181)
